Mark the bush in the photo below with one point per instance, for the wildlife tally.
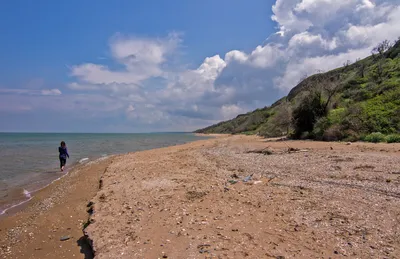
(375, 137)
(311, 108)
(393, 138)
(306, 135)
(320, 127)
(351, 136)
(334, 133)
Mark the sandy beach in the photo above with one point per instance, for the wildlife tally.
(226, 197)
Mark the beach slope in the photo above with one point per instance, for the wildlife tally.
(241, 196)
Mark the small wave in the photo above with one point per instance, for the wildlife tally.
(83, 160)
(27, 194)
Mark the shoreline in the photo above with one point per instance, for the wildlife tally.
(16, 204)
(31, 194)
(54, 211)
(190, 171)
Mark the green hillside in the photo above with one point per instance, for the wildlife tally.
(345, 103)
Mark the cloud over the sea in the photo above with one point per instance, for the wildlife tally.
(149, 88)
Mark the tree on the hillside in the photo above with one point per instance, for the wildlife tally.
(302, 78)
(328, 87)
(315, 104)
(282, 118)
(347, 63)
(379, 71)
(361, 69)
(381, 48)
(307, 113)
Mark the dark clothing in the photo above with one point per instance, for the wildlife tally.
(63, 152)
(62, 162)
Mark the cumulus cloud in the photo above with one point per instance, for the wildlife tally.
(141, 59)
(230, 111)
(262, 57)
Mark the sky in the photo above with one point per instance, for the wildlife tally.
(177, 65)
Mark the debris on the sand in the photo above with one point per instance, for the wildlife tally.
(232, 181)
(235, 176)
(64, 238)
(265, 151)
(257, 182)
(193, 195)
(202, 249)
(247, 178)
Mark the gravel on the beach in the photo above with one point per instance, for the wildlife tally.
(228, 198)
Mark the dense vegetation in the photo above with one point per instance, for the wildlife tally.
(357, 101)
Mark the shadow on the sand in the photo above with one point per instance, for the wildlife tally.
(86, 249)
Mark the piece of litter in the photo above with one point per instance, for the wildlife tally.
(64, 238)
(257, 182)
(247, 178)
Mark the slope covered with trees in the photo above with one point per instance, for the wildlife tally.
(347, 103)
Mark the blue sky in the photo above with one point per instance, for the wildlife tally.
(137, 66)
(41, 38)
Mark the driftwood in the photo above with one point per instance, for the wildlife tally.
(264, 151)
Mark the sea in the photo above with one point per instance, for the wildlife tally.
(29, 161)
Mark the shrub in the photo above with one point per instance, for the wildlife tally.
(393, 138)
(334, 133)
(336, 116)
(320, 127)
(307, 113)
(375, 137)
(306, 135)
(351, 136)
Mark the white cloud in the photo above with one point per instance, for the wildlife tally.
(365, 4)
(130, 108)
(309, 66)
(30, 91)
(98, 74)
(211, 67)
(230, 111)
(371, 34)
(306, 39)
(325, 6)
(141, 58)
(51, 92)
(261, 57)
(284, 15)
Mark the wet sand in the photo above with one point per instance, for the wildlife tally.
(304, 200)
(59, 210)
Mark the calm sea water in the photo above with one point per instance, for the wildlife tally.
(29, 161)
